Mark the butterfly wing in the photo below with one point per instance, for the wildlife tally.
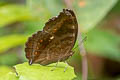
(56, 40)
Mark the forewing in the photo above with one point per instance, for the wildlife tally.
(64, 23)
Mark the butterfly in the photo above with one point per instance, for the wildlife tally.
(55, 42)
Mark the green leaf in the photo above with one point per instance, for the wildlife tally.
(39, 72)
(103, 43)
(11, 41)
(13, 13)
(4, 70)
(89, 13)
(6, 73)
(9, 76)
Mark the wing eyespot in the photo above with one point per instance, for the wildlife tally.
(41, 41)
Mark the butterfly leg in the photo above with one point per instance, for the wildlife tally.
(55, 65)
(66, 66)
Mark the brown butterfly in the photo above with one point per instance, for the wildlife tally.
(55, 42)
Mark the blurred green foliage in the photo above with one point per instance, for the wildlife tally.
(104, 43)
(89, 13)
(11, 41)
(32, 15)
(13, 13)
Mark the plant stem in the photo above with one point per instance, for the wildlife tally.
(84, 57)
(81, 46)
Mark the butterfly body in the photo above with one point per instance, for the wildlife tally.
(56, 40)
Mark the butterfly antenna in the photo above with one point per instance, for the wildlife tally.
(84, 39)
